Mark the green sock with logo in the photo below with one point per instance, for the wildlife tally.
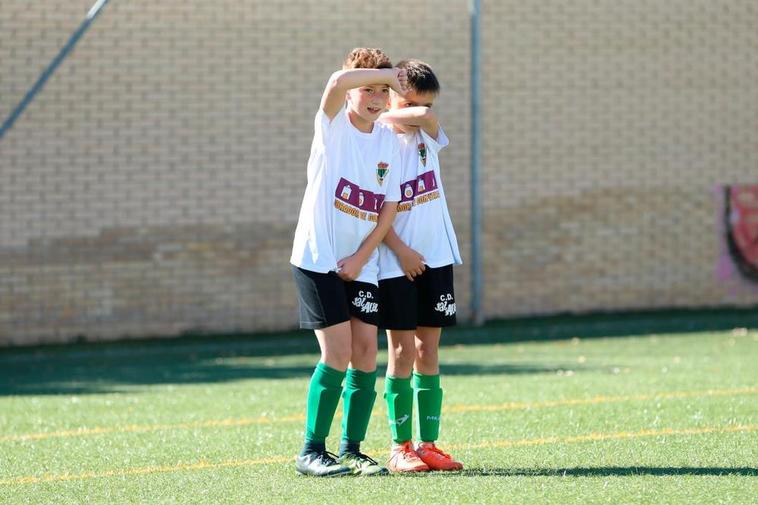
(323, 396)
(399, 397)
(358, 398)
(428, 394)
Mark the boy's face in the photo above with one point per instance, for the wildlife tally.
(412, 98)
(369, 101)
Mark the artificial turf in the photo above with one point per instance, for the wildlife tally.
(639, 418)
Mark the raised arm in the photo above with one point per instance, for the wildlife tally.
(350, 267)
(420, 117)
(343, 80)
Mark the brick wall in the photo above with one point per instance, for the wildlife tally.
(152, 187)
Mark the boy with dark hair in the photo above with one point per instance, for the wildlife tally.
(416, 278)
(349, 204)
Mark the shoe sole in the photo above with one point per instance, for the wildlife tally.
(410, 470)
(325, 475)
(433, 468)
(436, 469)
(359, 473)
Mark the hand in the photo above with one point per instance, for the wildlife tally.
(400, 81)
(412, 263)
(348, 269)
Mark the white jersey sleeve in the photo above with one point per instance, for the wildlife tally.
(437, 144)
(324, 128)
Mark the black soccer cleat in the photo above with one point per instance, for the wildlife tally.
(361, 464)
(321, 464)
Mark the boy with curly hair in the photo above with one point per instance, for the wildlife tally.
(349, 204)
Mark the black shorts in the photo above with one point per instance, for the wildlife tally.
(428, 300)
(326, 300)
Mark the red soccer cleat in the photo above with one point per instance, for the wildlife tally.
(435, 459)
(404, 459)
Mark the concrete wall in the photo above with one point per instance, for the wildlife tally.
(152, 188)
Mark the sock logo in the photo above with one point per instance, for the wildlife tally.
(433, 418)
(400, 421)
(446, 305)
(364, 302)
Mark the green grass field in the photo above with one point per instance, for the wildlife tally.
(537, 418)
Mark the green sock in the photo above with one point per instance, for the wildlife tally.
(428, 394)
(358, 400)
(323, 397)
(399, 397)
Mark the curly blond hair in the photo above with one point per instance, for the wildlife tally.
(364, 57)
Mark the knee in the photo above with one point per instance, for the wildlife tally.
(339, 357)
(364, 349)
(404, 356)
(426, 353)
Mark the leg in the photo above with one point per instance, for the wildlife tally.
(426, 383)
(401, 353)
(427, 343)
(399, 397)
(335, 343)
(323, 396)
(399, 311)
(397, 389)
(364, 345)
(428, 393)
(359, 394)
(399, 308)
(326, 383)
(436, 309)
(401, 314)
(328, 316)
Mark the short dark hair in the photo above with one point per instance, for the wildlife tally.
(421, 77)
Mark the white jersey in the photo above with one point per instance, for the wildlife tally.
(350, 175)
(423, 221)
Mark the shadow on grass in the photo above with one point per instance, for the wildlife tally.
(116, 367)
(112, 376)
(601, 325)
(611, 471)
(287, 343)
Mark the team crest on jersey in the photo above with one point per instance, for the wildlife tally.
(422, 153)
(382, 169)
